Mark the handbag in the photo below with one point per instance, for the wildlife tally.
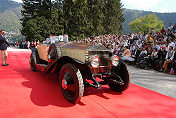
(172, 71)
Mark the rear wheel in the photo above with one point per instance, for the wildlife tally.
(120, 70)
(71, 83)
(32, 64)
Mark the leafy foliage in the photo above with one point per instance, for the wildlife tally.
(93, 20)
(145, 23)
(77, 18)
(36, 20)
(131, 15)
(113, 16)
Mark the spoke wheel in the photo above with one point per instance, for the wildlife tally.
(71, 83)
(32, 63)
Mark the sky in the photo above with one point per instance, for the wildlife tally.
(151, 5)
(18, 0)
(161, 6)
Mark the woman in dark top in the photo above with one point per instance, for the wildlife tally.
(148, 59)
(3, 48)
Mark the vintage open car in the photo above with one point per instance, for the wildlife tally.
(80, 65)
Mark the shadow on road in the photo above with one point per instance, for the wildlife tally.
(45, 89)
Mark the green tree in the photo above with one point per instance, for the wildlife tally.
(41, 27)
(77, 18)
(145, 23)
(37, 28)
(92, 17)
(32, 10)
(30, 7)
(56, 21)
(95, 17)
(113, 16)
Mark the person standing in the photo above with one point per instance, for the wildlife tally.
(3, 48)
(65, 37)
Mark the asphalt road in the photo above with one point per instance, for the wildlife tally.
(157, 81)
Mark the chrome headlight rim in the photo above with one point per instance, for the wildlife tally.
(115, 60)
(94, 61)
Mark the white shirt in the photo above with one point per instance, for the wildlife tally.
(170, 55)
(111, 50)
(140, 45)
(167, 48)
(154, 54)
(52, 39)
(157, 47)
(170, 27)
(162, 45)
(165, 38)
(143, 52)
(132, 48)
(172, 44)
(146, 36)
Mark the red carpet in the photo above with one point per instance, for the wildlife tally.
(27, 94)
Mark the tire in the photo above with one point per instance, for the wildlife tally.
(32, 64)
(72, 87)
(122, 71)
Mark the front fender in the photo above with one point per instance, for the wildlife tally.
(56, 66)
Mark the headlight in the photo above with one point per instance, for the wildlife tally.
(115, 60)
(95, 61)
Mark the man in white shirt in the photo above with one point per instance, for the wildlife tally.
(52, 38)
(171, 43)
(139, 44)
(143, 52)
(156, 46)
(132, 47)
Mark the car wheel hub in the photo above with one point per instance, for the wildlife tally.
(64, 84)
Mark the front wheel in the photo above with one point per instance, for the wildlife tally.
(71, 83)
(122, 71)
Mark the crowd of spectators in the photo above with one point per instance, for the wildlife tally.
(156, 50)
(148, 50)
(26, 44)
